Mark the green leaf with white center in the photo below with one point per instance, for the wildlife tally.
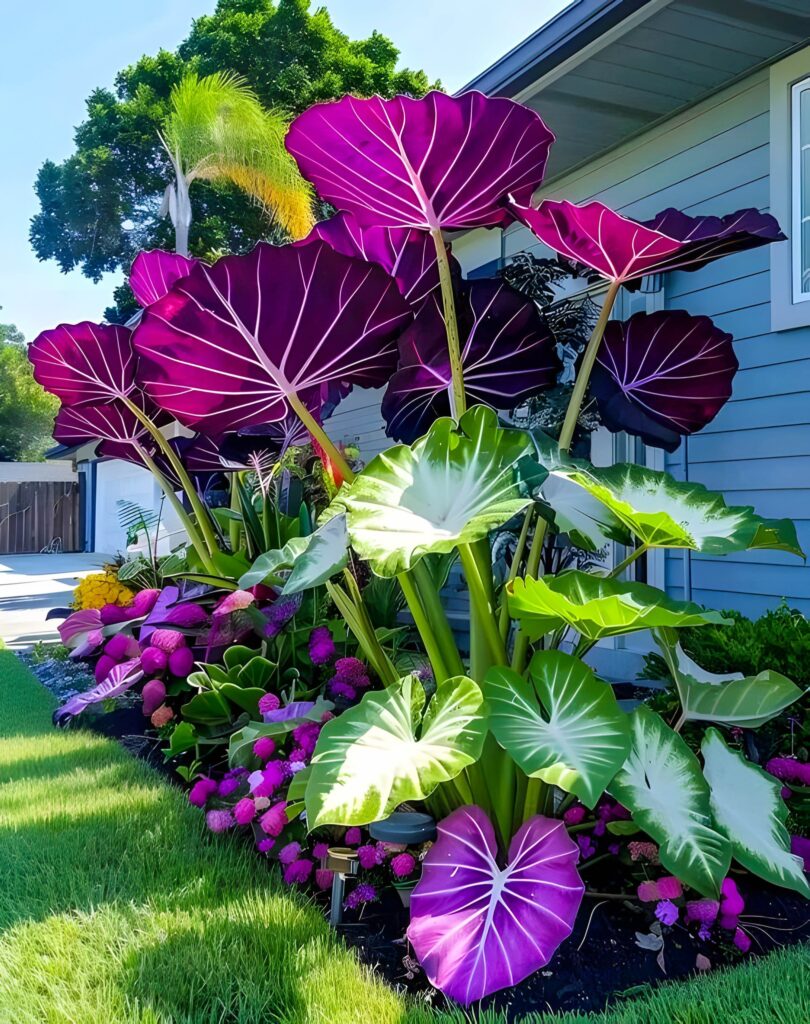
(389, 748)
(562, 725)
(450, 487)
(313, 559)
(749, 810)
(589, 523)
(598, 607)
(667, 513)
(661, 784)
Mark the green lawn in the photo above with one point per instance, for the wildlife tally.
(117, 908)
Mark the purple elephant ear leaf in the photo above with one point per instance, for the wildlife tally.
(84, 363)
(436, 162)
(508, 355)
(663, 375)
(118, 429)
(478, 928)
(231, 343)
(78, 623)
(153, 273)
(118, 680)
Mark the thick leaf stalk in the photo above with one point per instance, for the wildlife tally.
(458, 398)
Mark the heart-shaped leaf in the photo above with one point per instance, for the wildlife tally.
(313, 559)
(229, 344)
(389, 748)
(561, 725)
(663, 787)
(153, 273)
(114, 425)
(508, 355)
(588, 522)
(118, 680)
(240, 745)
(598, 607)
(477, 927)
(749, 810)
(662, 375)
(436, 162)
(452, 486)
(85, 363)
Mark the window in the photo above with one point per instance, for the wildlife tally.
(800, 192)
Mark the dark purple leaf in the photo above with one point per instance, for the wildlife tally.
(662, 375)
(117, 681)
(230, 343)
(154, 272)
(114, 425)
(436, 162)
(280, 435)
(508, 354)
(82, 363)
(476, 927)
(407, 254)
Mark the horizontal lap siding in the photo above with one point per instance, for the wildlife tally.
(714, 159)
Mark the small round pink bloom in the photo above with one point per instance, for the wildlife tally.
(269, 702)
(403, 865)
(666, 912)
(104, 666)
(167, 640)
(287, 854)
(353, 836)
(153, 695)
(200, 792)
(669, 888)
(228, 785)
(264, 748)
(181, 662)
(741, 941)
(298, 871)
(320, 850)
(219, 820)
(245, 811)
(323, 878)
(370, 856)
(121, 647)
(154, 661)
(274, 821)
(265, 845)
(161, 716)
(574, 815)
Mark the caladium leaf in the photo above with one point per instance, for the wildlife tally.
(313, 559)
(78, 626)
(624, 250)
(666, 513)
(407, 254)
(230, 343)
(153, 273)
(662, 785)
(85, 363)
(662, 375)
(118, 680)
(561, 725)
(598, 607)
(431, 163)
(477, 927)
(508, 354)
(452, 486)
(390, 748)
(749, 810)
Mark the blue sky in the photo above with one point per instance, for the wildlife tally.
(56, 52)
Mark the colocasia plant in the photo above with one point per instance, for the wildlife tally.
(509, 737)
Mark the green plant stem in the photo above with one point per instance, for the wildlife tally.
(634, 554)
(353, 609)
(433, 649)
(503, 623)
(586, 366)
(458, 398)
(434, 609)
(532, 566)
(320, 435)
(483, 613)
(535, 791)
(234, 528)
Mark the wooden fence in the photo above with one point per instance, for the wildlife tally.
(39, 515)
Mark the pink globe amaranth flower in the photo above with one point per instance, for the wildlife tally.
(320, 850)
(104, 666)
(154, 661)
(574, 815)
(321, 645)
(219, 820)
(274, 821)
(201, 791)
(362, 893)
(122, 647)
(786, 793)
(323, 878)
(265, 845)
(227, 785)
(352, 670)
(264, 748)
(112, 614)
(353, 836)
(181, 662)
(644, 851)
(666, 912)
(167, 640)
(741, 941)
(269, 702)
(306, 736)
(153, 694)
(245, 811)
(703, 911)
(370, 856)
(298, 871)
(297, 754)
(599, 827)
(670, 888)
(287, 854)
(273, 774)
(403, 865)
(800, 847)
(161, 716)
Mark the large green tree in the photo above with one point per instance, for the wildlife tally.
(26, 409)
(102, 205)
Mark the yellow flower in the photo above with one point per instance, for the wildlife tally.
(100, 588)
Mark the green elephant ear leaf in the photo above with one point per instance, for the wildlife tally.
(562, 725)
(749, 810)
(588, 522)
(387, 750)
(450, 487)
(667, 513)
(313, 559)
(598, 607)
(662, 785)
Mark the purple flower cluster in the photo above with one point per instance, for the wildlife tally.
(351, 676)
(321, 645)
(279, 614)
(788, 769)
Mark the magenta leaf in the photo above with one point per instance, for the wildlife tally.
(75, 627)
(153, 273)
(663, 375)
(113, 424)
(407, 254)
(280, 435)
(436, 162)
(231, 343)
(477, 927)
(82, 363)
(118, 680)
(508, 355)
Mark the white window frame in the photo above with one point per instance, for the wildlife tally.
(796, 219)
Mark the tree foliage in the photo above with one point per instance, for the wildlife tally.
(26, 409)
(101, 206)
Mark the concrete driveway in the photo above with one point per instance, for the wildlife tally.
(30, 585)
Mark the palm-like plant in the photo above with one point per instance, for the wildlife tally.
(217, 130)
